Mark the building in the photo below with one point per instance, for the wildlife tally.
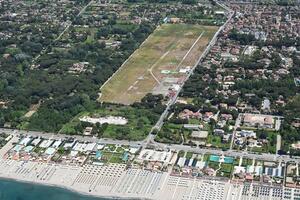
(247, 133)
(219, 132)
(36, 141)
(181, 161)
(226, 138)
(193, 126)
(199, 135)
(155, 156)
(25, 141)
(88, 130)
(46, 143)
(187, 114)
(260, 121)
(266, 105)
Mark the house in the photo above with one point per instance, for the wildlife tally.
(226, 138)
(25, 141)
(187, 114)
(221, 123)
(185, 70)
(181, 161)
(247, 133)
(276, 172)
(226, 117)
(207, 116)
(249, 50)
(266, 105)
(174, 20)
(296, 123)
(255, 120)
(88, 131)
(3, 104)
(219, 132)
(46, 143)
(223, 105)
(229, 56)
(36, 141)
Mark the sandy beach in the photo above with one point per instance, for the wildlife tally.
(121, 181)
(73, 178)
(113, 181)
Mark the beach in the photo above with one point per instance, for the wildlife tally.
(115, 180)
(97, 181)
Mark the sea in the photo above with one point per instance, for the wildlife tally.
(15, 190)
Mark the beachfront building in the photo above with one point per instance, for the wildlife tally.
(25, 141)
(153, 155)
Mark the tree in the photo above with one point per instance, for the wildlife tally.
(244, 39)
(103, 32)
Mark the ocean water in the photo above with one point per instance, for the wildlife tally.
(14, 190)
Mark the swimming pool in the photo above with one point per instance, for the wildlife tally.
(214, 158)
(125, 156)
(228, 160)
(98, 154)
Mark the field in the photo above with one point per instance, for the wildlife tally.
(140, 122)
(170, 47)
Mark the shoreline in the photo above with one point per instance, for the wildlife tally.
(57, 186)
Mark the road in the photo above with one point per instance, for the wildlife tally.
(77, 137)
(172, 101)
(232, 153)
(150, 139)
(144, 143)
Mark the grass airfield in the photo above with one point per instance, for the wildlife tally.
(170, 47)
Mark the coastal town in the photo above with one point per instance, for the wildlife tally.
(131, 171)
(215, 114)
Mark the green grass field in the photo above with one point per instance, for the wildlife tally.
(137, 128)
(163, 50)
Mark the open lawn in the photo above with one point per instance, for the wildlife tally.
(170, 47)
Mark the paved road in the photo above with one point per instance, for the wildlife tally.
(233, 153)
(77, 137)
(150, 139)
